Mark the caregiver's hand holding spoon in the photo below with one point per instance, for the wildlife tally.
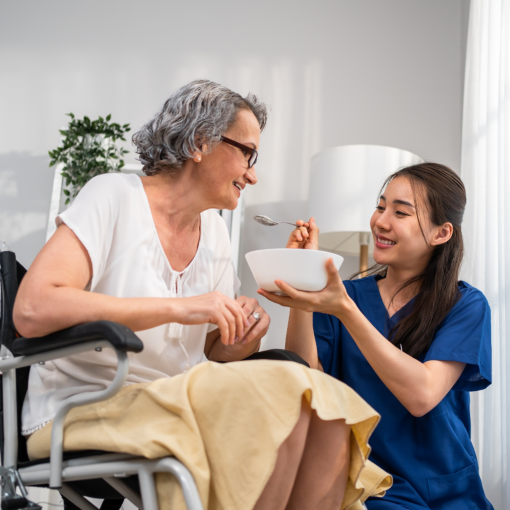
(306, 236)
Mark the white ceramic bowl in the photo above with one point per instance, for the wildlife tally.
(302, 269)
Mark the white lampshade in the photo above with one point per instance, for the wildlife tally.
(344, 185)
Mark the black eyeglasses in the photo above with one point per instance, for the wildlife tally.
(247, 151)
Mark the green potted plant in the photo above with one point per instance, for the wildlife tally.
(88, 149)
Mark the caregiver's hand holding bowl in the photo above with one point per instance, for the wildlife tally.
(332, 299)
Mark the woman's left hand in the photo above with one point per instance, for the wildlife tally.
(257, 328)
(333, 299)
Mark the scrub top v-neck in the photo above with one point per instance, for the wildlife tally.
(431, 458)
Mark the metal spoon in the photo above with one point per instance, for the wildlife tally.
(268, 222)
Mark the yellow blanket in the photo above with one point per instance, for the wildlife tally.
(225, 423)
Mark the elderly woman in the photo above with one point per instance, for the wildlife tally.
(151, 253)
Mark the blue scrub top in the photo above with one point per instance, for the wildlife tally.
(431, 458)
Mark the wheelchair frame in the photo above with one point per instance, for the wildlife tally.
(112, 467)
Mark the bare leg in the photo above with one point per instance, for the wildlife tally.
(322, 475)
(277, 490)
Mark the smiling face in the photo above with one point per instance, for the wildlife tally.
(224, 173)
(398, 239)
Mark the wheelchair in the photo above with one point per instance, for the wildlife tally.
(112, 477)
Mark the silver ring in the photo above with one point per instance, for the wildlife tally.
(256, 316)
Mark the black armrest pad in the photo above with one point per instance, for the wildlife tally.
(121, 337)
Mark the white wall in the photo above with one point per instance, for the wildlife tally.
(386, 72)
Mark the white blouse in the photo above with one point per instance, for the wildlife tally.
(112, 218)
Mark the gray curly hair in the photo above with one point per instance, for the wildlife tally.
(198, 113)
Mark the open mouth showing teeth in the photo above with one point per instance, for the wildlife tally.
(384, 241)
(238, 186)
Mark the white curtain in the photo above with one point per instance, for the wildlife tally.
(485, 170)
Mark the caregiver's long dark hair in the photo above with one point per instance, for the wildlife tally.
(440, 193)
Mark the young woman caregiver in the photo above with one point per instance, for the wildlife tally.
(410, 338)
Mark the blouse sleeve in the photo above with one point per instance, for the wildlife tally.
(92, 217)
(465, 335)
(327, 332)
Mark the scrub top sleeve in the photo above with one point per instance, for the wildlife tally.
(327, 340)
(465, 335)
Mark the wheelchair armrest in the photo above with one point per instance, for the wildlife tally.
(119, 336)
(67, 342)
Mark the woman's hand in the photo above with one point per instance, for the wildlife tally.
(333, 299)
(257, 328)
(244, 345)
(214, 308)
(234, 318)
(305, 237)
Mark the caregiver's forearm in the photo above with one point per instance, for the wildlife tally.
(418, 386)
(300, 337)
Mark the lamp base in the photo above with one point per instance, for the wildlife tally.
(363, 257)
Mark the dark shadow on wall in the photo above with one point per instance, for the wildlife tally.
(26, 183)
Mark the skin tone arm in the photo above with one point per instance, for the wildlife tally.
(216, 351)
(300, 336)
(418, 386)
(51, 297)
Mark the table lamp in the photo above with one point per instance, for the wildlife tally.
(344, 186)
